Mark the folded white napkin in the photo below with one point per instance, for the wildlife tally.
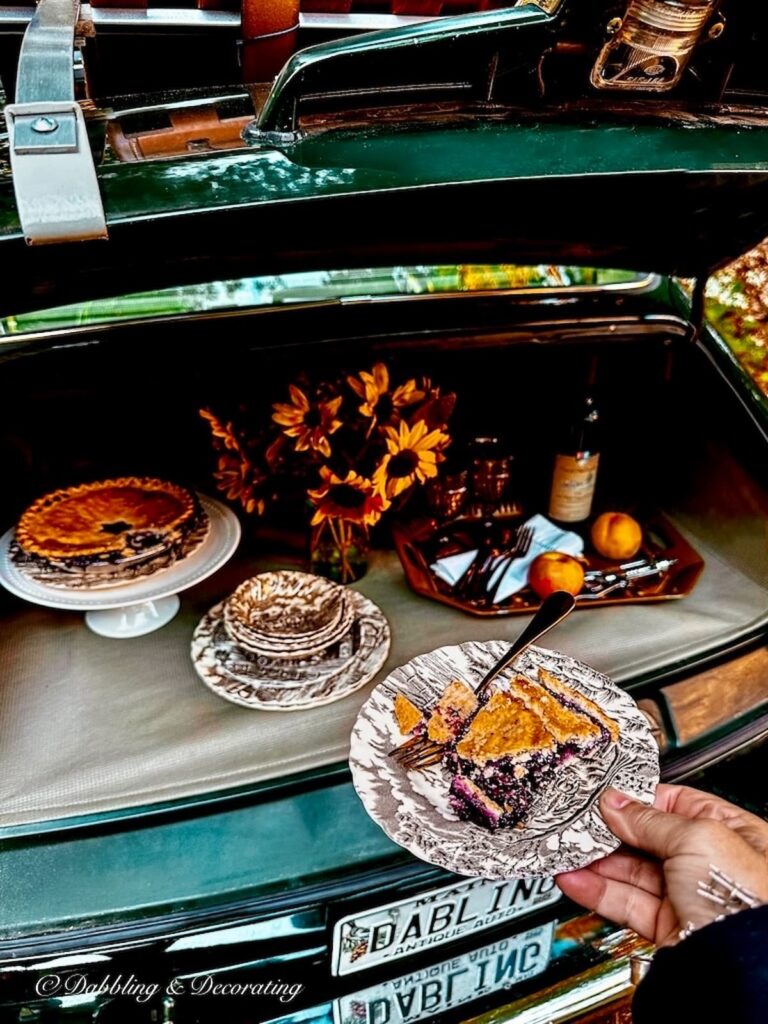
(546, 537)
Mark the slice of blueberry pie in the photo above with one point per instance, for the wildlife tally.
(456, 705)
(509, 750)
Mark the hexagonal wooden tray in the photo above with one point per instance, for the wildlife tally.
(416, 543)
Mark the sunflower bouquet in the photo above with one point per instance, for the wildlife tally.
(358, 445)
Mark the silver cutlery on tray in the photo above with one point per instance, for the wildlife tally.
(599, 582)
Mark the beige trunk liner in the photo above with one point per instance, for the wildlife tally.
(93, 725)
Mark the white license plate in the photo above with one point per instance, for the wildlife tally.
(423, 922)
(432, 991)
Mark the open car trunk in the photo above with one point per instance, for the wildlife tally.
(147, 825)
(92, 726)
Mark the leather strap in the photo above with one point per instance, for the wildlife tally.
(327, 6)
(270, 30)
(54, 177)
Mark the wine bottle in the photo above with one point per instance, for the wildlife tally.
(575, 472)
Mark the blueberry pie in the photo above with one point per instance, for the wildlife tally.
(501, 754)
(516, 742)
(111, 531)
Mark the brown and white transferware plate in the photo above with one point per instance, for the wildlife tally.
(564, 829)
(278, 684)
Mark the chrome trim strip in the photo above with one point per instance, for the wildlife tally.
(360, 22)
(184, 104)
(163, 17)
(179, 17)
(545, 294)
(703, 759)
(565, 291)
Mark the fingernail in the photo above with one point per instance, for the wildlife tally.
(614, 800)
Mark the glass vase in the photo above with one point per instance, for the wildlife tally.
(338, 550)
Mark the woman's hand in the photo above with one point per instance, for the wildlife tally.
(652, 888)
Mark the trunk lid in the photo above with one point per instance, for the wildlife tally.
(470, 138)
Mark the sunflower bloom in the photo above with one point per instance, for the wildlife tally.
(380, 404)
(239, 479)
(412, 456)
(353, 499)
(222, 432)
(310, 423)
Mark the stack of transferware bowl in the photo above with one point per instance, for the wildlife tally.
(288, 615)
(287, 640)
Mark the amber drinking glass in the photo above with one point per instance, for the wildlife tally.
(490, 472)
(447, 494)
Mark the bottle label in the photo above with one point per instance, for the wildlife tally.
(573, 486)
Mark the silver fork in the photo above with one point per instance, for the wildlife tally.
(521, 549)
(492, 561)
(467, 586)
(420, 751)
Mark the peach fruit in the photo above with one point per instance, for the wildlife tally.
(553, 571)
(616, 535)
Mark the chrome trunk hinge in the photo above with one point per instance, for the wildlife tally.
(54, 177)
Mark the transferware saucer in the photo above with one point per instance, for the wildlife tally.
(276, 684)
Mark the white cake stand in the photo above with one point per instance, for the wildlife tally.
(133, 609)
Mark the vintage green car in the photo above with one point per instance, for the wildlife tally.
(430, 185)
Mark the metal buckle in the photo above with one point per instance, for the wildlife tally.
(43, 127)
(54, 178)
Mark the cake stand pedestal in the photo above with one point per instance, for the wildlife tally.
(144, 605)
(133, 619)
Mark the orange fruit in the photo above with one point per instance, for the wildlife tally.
(555, 571)
(616, 535)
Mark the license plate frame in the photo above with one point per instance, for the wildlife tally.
(427, 993)
(428, 920)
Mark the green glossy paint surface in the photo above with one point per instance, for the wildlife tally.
(126, 874)
(346, 161)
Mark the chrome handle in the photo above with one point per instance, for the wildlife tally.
(553, 610)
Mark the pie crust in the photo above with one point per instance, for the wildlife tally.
(455, 706)
(504, 727)
(407, 714)
(109, 520)
(509, 749)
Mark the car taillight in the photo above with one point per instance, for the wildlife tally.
(651, 46)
